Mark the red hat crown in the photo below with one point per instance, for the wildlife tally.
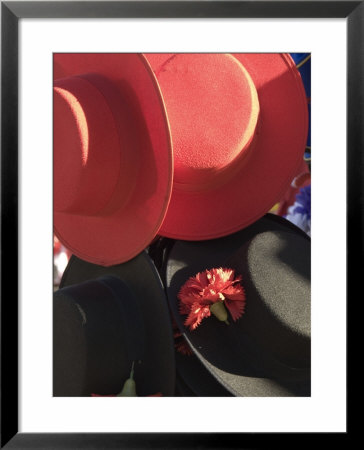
(221, 106)
(95, 153)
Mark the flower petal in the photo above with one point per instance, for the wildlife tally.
(197, 313)
(234, 293)
(202, 278)
(235, 307)
(223, 275)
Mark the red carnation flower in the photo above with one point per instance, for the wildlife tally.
(210, 292)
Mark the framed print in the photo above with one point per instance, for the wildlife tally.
(46, 41)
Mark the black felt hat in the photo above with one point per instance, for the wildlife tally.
(267, 351)
(104, 319)
(193, 380)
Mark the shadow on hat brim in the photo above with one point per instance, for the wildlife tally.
(187, 259)
(195, 380)
(142, 278)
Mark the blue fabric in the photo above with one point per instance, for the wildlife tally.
(303, 201)
(300, 212)
(305, 71)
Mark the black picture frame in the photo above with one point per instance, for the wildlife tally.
(11, 12)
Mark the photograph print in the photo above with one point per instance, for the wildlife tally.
(182, 225)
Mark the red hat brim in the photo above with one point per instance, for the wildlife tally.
(123, 234)
(274, 161)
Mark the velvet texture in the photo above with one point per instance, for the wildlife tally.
(239, 129)
(98, 332)
(267, 351)
(113, 163)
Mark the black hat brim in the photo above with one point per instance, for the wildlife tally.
(186, 259)
(194, 378)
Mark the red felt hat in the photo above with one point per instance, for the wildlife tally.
(239, 128)
(113, 164)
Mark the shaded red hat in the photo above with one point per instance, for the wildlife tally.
(113, 164)
(239, 128)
